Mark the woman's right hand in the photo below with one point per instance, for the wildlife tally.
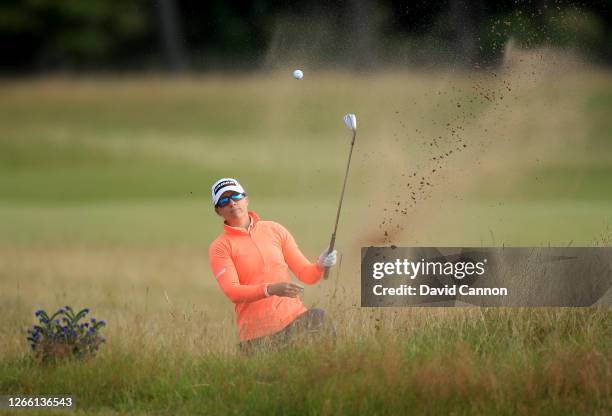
(287, 289)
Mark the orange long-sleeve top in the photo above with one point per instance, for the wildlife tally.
(244, 262)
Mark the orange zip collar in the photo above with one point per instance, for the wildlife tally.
(241, 231)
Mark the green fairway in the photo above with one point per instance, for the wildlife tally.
(131, 162)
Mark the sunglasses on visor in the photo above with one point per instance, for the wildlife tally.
(226, 200)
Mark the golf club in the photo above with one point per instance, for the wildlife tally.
(351, 122)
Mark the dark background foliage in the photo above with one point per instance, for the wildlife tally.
(99, 35)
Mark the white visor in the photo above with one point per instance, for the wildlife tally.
(223, 185)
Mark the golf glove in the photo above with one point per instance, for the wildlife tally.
(327, 259)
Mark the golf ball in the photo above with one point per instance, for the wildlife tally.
(298, 74)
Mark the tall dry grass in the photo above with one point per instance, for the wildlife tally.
(172, 347)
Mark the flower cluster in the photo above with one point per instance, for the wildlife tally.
(63, 335)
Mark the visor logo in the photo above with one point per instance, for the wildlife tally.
(223, 185)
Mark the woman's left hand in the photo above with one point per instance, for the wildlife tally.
(327, 259)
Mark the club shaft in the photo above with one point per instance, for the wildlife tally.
(332, 242)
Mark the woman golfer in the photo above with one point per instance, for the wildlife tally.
(251, 261)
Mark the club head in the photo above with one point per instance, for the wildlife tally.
(351, 121)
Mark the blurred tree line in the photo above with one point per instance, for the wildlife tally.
(74, 35)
